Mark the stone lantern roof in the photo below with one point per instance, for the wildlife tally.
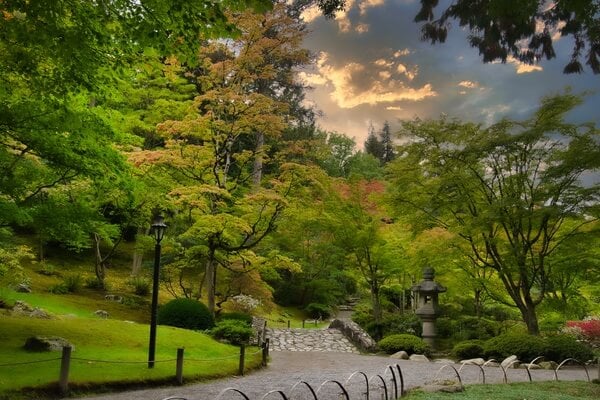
(428, 285)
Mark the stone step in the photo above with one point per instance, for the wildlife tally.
(309, 340)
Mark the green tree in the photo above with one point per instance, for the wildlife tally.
(512, 192)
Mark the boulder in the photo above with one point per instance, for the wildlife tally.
(40, 313)
(473, 361)
(531, 366)
(443, 361)
(418, 357)
(548, 365)
(101, 313)
(510, 362)
(401, 355)
(23, 288)
(46, 343)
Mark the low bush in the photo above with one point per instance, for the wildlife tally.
(70, 284)
(409, 343)
(232, 330)
(526, 347)
(318, 310)
(468, 349)
(140, 286)
(185, 313)
(470, 327)
(95, 283)
(561, 347)
(395, 324)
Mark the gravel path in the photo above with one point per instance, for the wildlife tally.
(288, 368)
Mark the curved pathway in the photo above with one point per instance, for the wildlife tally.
(287, 368)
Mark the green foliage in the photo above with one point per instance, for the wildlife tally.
(561, 347)
(392, 323)
(185, 313)
(526, 347)
(468, 349)
(140, 286)
(409, 343)
(238, 316)
(71, 283)
(317, 310)
(232, 330)
(93, 282)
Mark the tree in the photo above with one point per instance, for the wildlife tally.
(499, 28)
(373, 145)
(388, 152)
(512, 192)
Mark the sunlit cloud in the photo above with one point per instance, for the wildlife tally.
(366, 4)
(311, 13)
(385, 75)
(462, 92)
(400, 53)
(383, 63)
(353, 86)
(362, 28)
(523, 68)
(468, 84)
(394, 108)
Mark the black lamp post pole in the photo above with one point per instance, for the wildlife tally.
(155, 279)
(158, 228)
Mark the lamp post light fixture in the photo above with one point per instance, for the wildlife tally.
(158, 230)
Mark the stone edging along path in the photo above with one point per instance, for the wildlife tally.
(288, 368)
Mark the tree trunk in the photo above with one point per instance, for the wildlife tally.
(258, 159)
(530, 317)
(211, 278)
(138, 256)
(99, 264)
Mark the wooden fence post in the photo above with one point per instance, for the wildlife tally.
(65, 363)
(242, 359)
(179, 366)
(288, 324)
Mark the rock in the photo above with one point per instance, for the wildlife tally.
(39, 313)
(418, 357)
(21, 307)
(114, 297)
(401, 355)
(531, 366)
(443, 361)
(510, 362)
(46, 343)
(473, 361)
(491, 364)
(548, 365)
(23, 288)
(101, 313)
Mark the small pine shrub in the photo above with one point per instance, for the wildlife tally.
(409, 343)
(185, 313)
(140, 286)
(561, 347)
(232, 330)
(468, 349)
(526, 347)
(73, 283)
(238, 316)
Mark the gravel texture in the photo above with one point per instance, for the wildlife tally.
(287, 368)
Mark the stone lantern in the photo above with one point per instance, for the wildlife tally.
(426, 293)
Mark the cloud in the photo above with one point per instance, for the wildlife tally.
(362, 28)
(394, 108)
(400, 53)
(353, 84)
(311, 13)
(366, 4)
(523, 68)
(468, 84)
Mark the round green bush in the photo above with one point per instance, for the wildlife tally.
(232, 330)
(185, 313)
(468, 349)
(526, 347)
(409, 343)
(318, 310)
(477, 328)
(561, 347)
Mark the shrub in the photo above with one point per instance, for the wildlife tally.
(232, 330)
(185, 313)
(409, 343)
(561, 347)
(394, 324)
(238, 316)
(318, 310)
(526, 347)
(95, 283)
(477, 328)
(59, 288)
(140, 286)
(73, 283)
(468, 349)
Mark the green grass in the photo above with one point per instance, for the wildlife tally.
(518, 391)
(279, 317)
(124, 344)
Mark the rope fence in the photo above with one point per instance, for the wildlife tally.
(66, 360)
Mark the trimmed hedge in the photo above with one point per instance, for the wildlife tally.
(185, 313)
(232, 330)
(409, 343)
(525, 347)
(561, 347)
(238, 316)
(468, 349)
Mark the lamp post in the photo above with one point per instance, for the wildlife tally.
(158, 230)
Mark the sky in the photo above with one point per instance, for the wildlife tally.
(372, 67)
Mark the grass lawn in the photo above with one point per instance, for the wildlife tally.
(518, 391)
(124, 344)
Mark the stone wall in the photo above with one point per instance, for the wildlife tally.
(355, 334)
